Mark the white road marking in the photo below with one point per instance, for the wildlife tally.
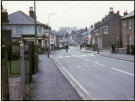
(86, 92)
(76, 56)
(91, 55)
(99, 64)
(86, 59)
(59, 57)
(71, 67)
(86, 65)
(122, 71)
(83, 55)
(67, 56)
(78, 66)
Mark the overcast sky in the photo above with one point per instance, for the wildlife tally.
(69, 13)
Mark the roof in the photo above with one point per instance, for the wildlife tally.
(84, 33)
(128, 15)
(100, 25)
(20, 17)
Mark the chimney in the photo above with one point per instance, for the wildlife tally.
(125, 13)
(111, 13)
(31, 12)
(91, 26)
(111, 9)
(102, 19)
(106, 17)
(4, 16)
(86, 29)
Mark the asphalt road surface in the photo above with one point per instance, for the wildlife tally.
(96, 77)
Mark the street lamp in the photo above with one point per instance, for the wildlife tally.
(97, 43)
(49, 33)
(36, 52)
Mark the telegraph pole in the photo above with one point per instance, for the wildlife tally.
(36, 54)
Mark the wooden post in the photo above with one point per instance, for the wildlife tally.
(22, 70)
(5, 83)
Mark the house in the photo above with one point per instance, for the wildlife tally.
(127, 26)
(77, 37)
(108, 31)
(22, 27)
(53, 39)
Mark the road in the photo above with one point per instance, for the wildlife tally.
(96, 77)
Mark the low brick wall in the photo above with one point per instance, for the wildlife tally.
(122, 50)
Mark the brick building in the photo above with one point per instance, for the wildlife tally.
(108, 30)
(127, 25)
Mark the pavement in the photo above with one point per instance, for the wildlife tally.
(49, 83)
(107, 53)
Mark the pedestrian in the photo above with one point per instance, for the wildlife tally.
(43, 48)
(113, 48)
(66, 48)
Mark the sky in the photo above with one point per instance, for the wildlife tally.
(78, 14)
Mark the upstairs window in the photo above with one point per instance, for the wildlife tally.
(39, 29)
(19, 29)
(105, 29)
(129, 24)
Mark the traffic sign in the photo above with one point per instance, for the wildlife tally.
(86, 38)
(19, 41)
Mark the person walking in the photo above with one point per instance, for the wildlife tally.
(66, 48)
(113, 48)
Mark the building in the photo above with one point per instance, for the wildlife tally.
(127, 25)
(53, 39)
(22, 27)
(108, 31)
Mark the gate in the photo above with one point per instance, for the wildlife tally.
(15, 64)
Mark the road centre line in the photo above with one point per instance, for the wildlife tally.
(122, 71)
(86, 92)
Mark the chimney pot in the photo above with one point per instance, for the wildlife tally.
(31, 12)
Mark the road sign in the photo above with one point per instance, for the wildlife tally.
(19, 41)
(46, 39)
(86, 38)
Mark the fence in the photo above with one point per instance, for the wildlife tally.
(14, 69)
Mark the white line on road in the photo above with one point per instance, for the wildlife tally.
(78, 66)
(86, 59)
(86, 65)
(83, 55)
(59, 57)
(67, 56)
(122, 71)
(71, 67)
(86, 92)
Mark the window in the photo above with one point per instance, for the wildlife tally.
(105, 29)
(52, 37)
(39, 29)
(129, 24)
(130, 40)
(19, 29)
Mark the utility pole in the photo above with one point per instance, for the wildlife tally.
(36, 54)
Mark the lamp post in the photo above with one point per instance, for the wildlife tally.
(49, 33)
(36, 54)
(97, 43)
